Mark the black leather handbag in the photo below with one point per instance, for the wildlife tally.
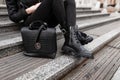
(39, 40)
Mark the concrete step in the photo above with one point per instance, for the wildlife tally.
(87, 11)
(12, 43)
(8, 45)
(89, 16)
(10, 26)
(103, 67)
(19, 67)
(83, 8)
(97, 22)
(3, 8)
(4, 16)
(3, 13)
(9, 35)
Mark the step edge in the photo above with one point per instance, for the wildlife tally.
(88, 11)
(53, 69)
(93, 15)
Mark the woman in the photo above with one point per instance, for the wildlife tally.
(52, 12)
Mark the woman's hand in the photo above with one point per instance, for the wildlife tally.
(32, 9)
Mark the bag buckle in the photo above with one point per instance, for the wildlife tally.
(37, 45)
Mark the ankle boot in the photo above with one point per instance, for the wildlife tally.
(72, 45)
(82, 37)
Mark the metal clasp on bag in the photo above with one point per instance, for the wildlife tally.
(37, 45)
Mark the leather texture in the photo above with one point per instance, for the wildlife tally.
(43, 46)
(72, 45)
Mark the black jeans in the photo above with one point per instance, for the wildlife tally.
(55, 12)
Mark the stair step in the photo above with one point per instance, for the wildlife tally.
(9, 35)
(31, 68)
(4, 16)
(87, 11)
(83, 8)
(96, 22)
(20, 64)
(3, 13)
(22, 68)
(3, 8)
(89, 16)
(10, 26)
(102, 65)
(16, 41)
(13, 40)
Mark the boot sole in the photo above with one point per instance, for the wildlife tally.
(70, 51)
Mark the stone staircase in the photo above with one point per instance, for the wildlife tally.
(15, 66)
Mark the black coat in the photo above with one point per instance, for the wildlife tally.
(16, 9)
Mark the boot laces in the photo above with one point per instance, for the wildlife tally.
(76, 38)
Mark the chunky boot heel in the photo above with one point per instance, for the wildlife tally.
(85, 53)
(68, 50)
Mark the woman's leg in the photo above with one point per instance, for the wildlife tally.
(70, 12)
(50, 11)
(71, 20)
(70, 8)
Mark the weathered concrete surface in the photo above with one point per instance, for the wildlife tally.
(117, 75)
(102, 67)
(54, 69)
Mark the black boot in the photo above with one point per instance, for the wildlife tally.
(72, 45)
(82, 37)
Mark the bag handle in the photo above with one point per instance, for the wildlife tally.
(42, 26)
(36, 24)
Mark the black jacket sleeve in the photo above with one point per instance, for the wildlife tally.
(15, 13)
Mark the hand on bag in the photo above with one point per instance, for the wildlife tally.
(32, 9)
